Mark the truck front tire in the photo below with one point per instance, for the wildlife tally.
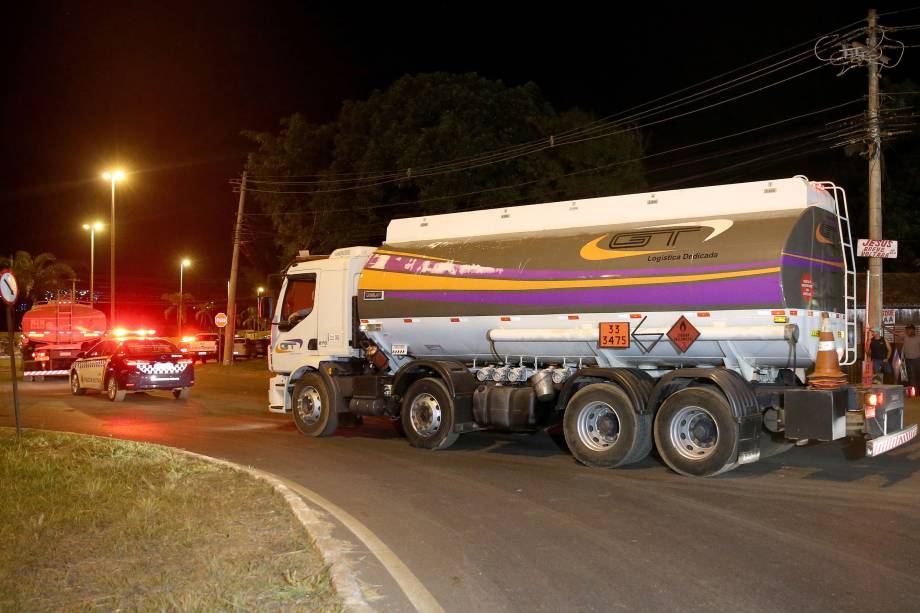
(314, 410)
(428, 415)
(603, 429)
(696, 433)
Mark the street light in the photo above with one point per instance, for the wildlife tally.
(92, 256)
(182, 266)
(113, 176)
(259, 291)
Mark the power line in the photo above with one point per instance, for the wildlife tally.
(515, 151)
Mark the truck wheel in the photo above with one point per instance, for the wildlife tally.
(602, 427)
(696, 433)
(181, 393)
(428, 415)
(75, 388)
(114, 394)
(314, 411)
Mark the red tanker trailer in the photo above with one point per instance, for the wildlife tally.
(54, 332)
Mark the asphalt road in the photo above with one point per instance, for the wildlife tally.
(512, 523)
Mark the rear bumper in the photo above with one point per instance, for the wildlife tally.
(138, 382)
(882, 444)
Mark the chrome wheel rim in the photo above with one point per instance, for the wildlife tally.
(425, 415)
(694, 433)
(113, 388)
(74, 383)
(598, 426)
(309, 405)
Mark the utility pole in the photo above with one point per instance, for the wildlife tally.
(230, 329)
(874, 307)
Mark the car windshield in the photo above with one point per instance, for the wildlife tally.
(149, 346)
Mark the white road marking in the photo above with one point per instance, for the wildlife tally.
(411, 586)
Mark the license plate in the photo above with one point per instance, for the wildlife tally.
(64, 354)
(202, 353)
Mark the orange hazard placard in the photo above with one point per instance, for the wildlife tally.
(613, 335)
(683, 334)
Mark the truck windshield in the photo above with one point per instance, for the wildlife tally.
(298, 297)
(149, 346)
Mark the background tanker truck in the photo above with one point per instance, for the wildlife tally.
(683, 320)
(54, 332)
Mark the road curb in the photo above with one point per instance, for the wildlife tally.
(345, 582)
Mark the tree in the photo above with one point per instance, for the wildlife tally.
(39, 274)
(204, 314)
(173, 305)
(420, 121)
(250, 319)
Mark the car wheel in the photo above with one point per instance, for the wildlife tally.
(75, 388)
(112, 390)
(696, 433)
(428, 415)
(181, 393)
(314, 412)
(603, 429)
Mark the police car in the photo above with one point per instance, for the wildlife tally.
(132, 364)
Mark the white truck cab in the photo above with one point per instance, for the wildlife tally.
(314, 319)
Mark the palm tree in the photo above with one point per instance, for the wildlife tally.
(173, 305)
(39, 274)
(204, 313)
(251, 320)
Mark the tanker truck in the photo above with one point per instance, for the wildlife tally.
(54, 332)
(684, 320)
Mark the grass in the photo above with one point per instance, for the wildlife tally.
(96, 524)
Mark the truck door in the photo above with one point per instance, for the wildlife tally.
(295, 334)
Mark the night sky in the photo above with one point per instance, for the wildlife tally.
(164, 89)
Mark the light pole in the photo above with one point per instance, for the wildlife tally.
(259, 291)
(182, 266)
(92, 256)
(113, 176)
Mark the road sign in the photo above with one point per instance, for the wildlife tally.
(613, 335)
(8, 287)
(683, 334)
(220, 320)
(867, 248)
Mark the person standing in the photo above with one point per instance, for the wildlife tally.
(880, 352)
(910, 353)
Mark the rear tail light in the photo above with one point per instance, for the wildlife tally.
(183, 361)
(137, 362)
(873, 400)
(870, 412)
(183, 349)
(911, 391)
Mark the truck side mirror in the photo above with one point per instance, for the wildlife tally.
(283, 326)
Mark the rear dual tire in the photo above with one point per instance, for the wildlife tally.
(696, 433)
(603, 429)
(428, 416)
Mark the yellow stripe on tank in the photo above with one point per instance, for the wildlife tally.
(412, 255)
(386, 280)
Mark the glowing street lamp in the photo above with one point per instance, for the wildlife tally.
(112, 176)
(92, 256)
(185, 263)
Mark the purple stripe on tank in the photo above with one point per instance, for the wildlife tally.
(427, 267)
(752, 290)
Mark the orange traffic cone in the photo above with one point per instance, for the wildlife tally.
(827, 374)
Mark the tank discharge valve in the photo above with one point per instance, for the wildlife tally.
(519, 374)
(501, 374)
(485, 374)
(561, 374)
